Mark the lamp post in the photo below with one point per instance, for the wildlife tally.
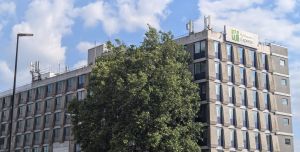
(14, 88)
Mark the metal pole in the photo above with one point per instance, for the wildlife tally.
(13, 95)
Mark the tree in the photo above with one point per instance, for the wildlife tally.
(141, 98)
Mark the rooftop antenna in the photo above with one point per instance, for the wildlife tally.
(207, 25)
(190, 27)
(35, 71)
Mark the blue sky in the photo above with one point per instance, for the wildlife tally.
(65, 29)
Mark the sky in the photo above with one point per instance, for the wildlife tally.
(64, 30)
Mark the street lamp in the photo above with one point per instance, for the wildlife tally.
(14, 87)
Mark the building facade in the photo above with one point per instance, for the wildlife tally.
(243, 85)
(244, 89)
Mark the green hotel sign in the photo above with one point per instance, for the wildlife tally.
(241, 37)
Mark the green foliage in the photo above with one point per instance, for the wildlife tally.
(142, 98)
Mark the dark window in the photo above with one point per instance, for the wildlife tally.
(232, 116)
(232, 138)
(48, 105)
(219, 114)
(243, 97)
(59, 87)
(38, 107)
(56, 134)
(266, 100)
(252, 57)
(242, 75)
(256, 119)
(67, 133)
(268, 121)
(46, 136)
(230, 73)
(265, 80)
(50, 90)
(218, 92)
(269, 142)
(257, 141)
(70, 84)
(57, 118)
(58, 103)
(220, 136)
(245, 118)
(218, 70)
(217, 49)
(202, 90)
(37, 137)
(229, 52)
(81, 81)
(241, 55)
(254, 97)
(37, 121)
(199, 49)
(47, 120)
(264, 61)
(199, 70)
(230, 94)
(245, 140)
(40, 92)
(287, 141)
(254, 78)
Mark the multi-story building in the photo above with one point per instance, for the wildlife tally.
(244, 89)
(243, 85)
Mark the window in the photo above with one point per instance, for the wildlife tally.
(202, 91)
(245, 139)
(3, 128)
(269, 142)
(47, 120)
(230, 94)
(69, 98)
(50, 90)
(38, 107)
(20, 125)
(241, 55)
(27, 150)
(218, 69)
(219, 114)
(217, 49)
(199, 49)
(220, 136)
(265, 81)
(45, 148)
(40, 92)
(58, 102)
(56, 134)
(57, 118)
(28, 139)
(29, 124)
(229, 52)
(1, 143)
(254, 78)
(267, 119)
(46, 136)
(257, 141)
(199, 70)
(266, 100)
(243, 96)
(255, 117)
(37, 137)
(48, 105)
(264, 61)
(218, 92)
(252, 58)
(67, 133)
(232, 138)
(287, 141)
(29, 109)
(284, 101)
(231, 116)
(21, 111)
(24, 97)
(36, 149)
(81, 81)
(18, 140)
(230, 73)
(37, 121)
(245, 118)
(70, 84)
(242, 75)
(284, 82)
(32, 94)
(286, 121)
(59, 87)
(282, 62)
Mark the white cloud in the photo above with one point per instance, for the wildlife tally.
(49, 21)
(7, 7)
(84, 46)
(6, 74)
(295, 83)
(254, 16)
(128, 15)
